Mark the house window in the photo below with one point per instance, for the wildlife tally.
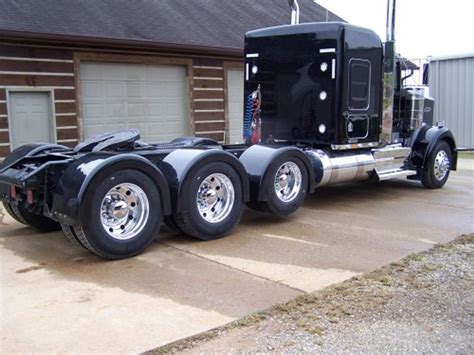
(359, 84)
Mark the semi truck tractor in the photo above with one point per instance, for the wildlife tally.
(325, 103)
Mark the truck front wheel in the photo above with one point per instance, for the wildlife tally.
(213, 202)
(121, 215)
(437, 167)
(285, 188)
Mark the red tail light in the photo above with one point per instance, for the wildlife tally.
(29, 196)
(13, 192)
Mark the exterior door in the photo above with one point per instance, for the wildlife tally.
(235, 108)
(30, 118)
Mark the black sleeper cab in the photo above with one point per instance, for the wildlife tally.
(320, 82)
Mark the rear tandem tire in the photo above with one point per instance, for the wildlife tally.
(285, 186)
(70, 234)
(437, 167)
(9, 208)
(214, 202)
(170, 224)
(39, 222)
(121, 215)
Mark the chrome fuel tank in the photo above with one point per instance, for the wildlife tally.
(342, 168)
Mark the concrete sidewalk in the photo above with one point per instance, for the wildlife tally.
(56, 297)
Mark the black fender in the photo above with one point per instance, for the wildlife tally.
(424, 142)
(73, 185)
(26, 151)
(259, 158)
(177, 166)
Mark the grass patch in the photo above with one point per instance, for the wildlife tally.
(416, 257)
(249, 321)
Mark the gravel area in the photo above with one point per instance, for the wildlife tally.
(422, 304)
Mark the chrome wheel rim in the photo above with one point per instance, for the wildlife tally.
(441, 165)
(288, 180)
(215, 198)
(124, 211)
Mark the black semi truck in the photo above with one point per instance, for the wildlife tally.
(325, 103)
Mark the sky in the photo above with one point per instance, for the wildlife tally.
(423, 27)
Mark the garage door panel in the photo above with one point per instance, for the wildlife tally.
(174, 126)
(156, 75)
(168, 75)
(174, 109)
(116, 110)
(114, 72)
(155, 90)
(136, 110)
(155, 109)
(135, 72)
(135, 89)
(100, 127)
(93, 110)
(173, 85)
(113, 127)
(149, 98)
(91, 71)
(141, 126)
(92, 89)
(114, 89)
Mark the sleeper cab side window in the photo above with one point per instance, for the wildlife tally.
(359, 84)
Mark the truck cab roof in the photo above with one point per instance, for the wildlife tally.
(324, 29)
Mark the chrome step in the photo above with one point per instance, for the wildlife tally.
(390, 158)
(391, 174)
(391, 151)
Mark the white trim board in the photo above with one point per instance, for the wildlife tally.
(29, 59)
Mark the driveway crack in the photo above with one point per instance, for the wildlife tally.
(233, 268)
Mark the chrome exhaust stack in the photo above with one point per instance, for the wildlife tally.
(390, 26)
(388, 76)
(295, 11)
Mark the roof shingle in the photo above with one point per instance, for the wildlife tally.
(209, 23)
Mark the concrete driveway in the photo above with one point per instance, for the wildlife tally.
(56, 297)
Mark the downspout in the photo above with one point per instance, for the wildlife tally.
(388, 76)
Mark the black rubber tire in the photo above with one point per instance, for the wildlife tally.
(39, 222)
(191, 223)
(258, 206)
(170, 224)
(273, 204)
(93, 236)
(428, 178)
(70, 234)
(9, 208)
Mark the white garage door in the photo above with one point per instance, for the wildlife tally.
(146, 97)
(235, 89)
